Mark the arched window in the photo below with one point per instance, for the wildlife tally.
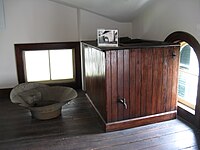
(189, 65)
(188, 76)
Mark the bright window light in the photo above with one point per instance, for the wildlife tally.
(188, 76)
(49, 65)
(37, 65)
(61, 64)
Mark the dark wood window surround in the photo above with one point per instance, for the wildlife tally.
(4, 93)
(19, 48)
(178, 37)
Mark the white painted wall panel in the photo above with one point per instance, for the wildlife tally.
(32, 21)
(89, 23)
(166, 17)
(2, 15)
(36, 21)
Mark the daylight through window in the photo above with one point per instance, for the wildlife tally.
(49, 65)
(188, 76)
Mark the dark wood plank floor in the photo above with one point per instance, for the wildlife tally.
(78, 128)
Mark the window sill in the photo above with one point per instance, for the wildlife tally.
(186, 108)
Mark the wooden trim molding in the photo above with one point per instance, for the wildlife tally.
(125, 124)
(178, 37)
(5, 93)
(19, 48)
(135, 122)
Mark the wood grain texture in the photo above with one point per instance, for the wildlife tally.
(155, 82)
(95, 79)
(78, 129)
(127, 83)
(165, 79)
(132, 68)
(160, 101)
(169, 81)
(120, 83)
(140, 121)
(114, 81)
(138, 84)
(108, 87)
(144, 82)
(144, 77)
(149, 72)
(175, 78)
(149, 81)
(78, 117)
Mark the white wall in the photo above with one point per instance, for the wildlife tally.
(31, 21)
(89, 23)
(36, 21)
(2, 20)
(166, 17)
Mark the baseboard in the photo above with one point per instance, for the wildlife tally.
(5, 93)
(130, 123)
(135, 122)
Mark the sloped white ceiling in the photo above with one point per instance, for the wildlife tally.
(118, 10)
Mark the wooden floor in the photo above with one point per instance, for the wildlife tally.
(78, 128)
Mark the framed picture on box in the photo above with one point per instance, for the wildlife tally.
(107, 38)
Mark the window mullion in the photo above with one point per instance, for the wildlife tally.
(49, 64)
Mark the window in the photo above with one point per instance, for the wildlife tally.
(188, 76)
(49, 65)
(191, 115)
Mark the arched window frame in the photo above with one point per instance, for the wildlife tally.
(177, 37)
(186, 72)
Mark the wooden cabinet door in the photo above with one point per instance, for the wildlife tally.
(144, 80)
(154, 82)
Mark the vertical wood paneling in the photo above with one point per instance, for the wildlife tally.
(144, 82)
(143, 76)
(165, 77)
(108, 87)
(132, 68)
(95, 79)
(160, 102)
(127, 83)
(169, 80)
(149, 81)
(114, 84)
(138, 83)
(155, 81)
(175, 78)
(101, 81)
(120, 81)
